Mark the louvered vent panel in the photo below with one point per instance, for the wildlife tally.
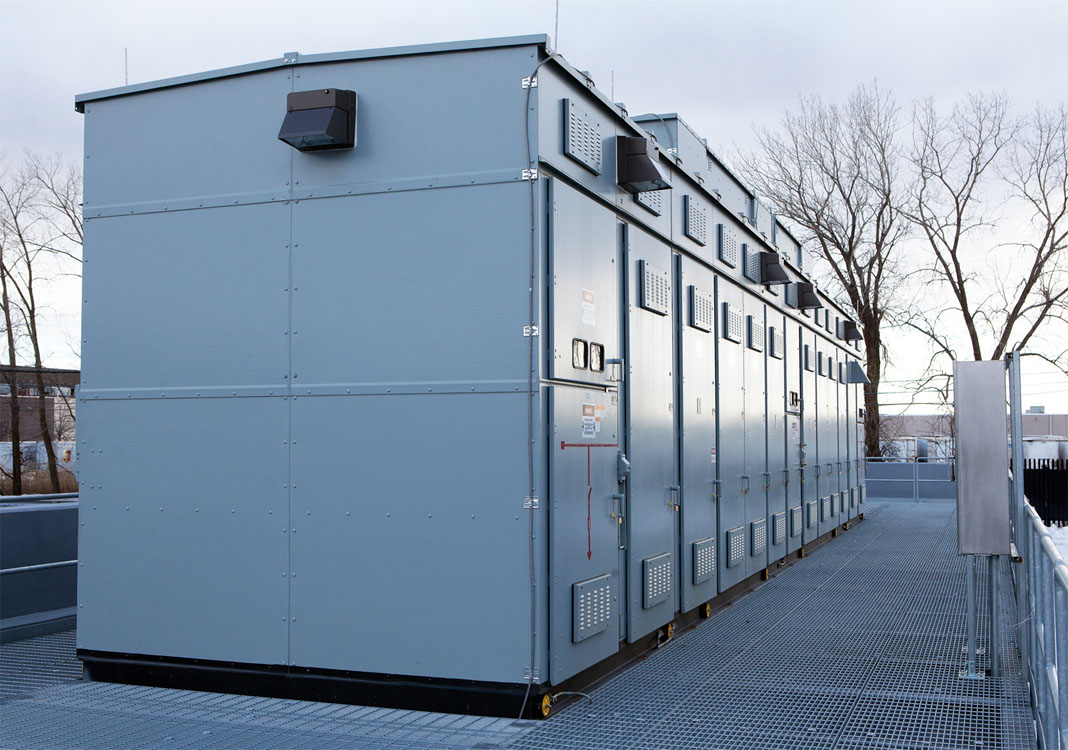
(810, 511)
(735, 546)
(591, 603)
(696, 225)
(778, 528)
(759, 537)
(704, 560)
(657, 574)
(795, 521)
(702, 310)
(583, 141)
(791, 295)
(656, 289)
(728, 245)
(732, 324)
(776, 344)
(756, 333)
(752, 262)
(652, 200)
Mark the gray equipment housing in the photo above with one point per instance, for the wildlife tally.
(304, 415)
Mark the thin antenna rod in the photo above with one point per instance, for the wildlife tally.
(556, 26)
(126, 65)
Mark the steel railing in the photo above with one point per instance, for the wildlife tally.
(1041, 582)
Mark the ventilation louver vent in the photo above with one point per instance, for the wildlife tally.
(653, 200)
(591, 607)
(778, 528)
(696, 225)
(735, 546)
(656, 289)
(776, 343)
(582, 140)
(702, 310)
(826, 508)
(756, 333)
(795, 521)
(810, 511)
(732, 324)
(728, 245)
(752, 262)
(704, 560)
(808, 358)
(791, 295)
(759, 538)
(657, 574)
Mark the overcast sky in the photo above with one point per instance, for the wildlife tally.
(723, 66)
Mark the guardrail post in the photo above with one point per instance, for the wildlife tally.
(993, 573)
(1060, 592)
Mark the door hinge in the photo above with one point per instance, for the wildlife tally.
(530, 331)
(530, 82)
(531, 675)
(531, 503)
(530, 174)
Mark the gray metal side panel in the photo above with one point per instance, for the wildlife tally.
(582, 525)
(200, 569)
(410, 300)
(776, 426)
(697, 412)
(754, 419)
(371, 511)
(826, 443)
(650, 389)
(730, 452)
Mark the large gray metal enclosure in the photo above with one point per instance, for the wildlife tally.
(452, 407)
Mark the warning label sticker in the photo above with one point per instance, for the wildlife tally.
(589, 308)
(592, 414)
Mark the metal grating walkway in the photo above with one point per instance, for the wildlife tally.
(857, 646)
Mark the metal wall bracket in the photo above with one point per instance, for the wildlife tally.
(530, 82)
(530, 331)
(530, 174)
(531, 503)
(532, 675)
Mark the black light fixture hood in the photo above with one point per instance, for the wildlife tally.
(638, 168)
(850, 332)
(771, 270)
(806, 296)
(319, 120)
(856, 373)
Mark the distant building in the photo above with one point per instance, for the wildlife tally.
(909, 435)
(59, 386)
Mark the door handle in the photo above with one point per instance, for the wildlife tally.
(674, 491)
(715, 490)
(615, 362)
(767, 479)
(786, 477)
(745, 484)
(617, 507)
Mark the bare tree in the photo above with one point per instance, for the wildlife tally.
(40, 222)
(836, 173)
(13, 204)
(979, 171)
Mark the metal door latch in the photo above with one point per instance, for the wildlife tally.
(622, 467)
(674, 491)
(745, 484)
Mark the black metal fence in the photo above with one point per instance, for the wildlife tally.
(1046, 486)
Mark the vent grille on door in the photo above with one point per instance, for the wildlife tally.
(656, 289)
(583, 137)
(752, 262)
(791, 295)
(704, 560)
(826, 508)
(732, 324)
(808, 358)
(756, 333)
(735, 546)
(776, 344)
(591, 607)
(758, 539)
(810, 508)
(657, 574)
(852, 497)
(778, 528)
(728, 246)
(702, 310)
(795, 521)
(696, 224)
(652, 200)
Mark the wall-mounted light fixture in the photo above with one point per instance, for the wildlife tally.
(319, 120)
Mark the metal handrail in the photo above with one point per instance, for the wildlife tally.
(39, 498)
(1042, 588)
